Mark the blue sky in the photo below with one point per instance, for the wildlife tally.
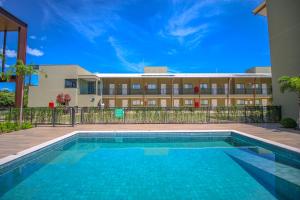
(123, 36)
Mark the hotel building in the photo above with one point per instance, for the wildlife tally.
(153, 88)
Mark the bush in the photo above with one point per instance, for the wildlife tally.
(6, 127)
(288, 123)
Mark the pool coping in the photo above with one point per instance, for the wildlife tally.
(25, 152)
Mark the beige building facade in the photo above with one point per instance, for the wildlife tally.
(154, 88)
(284, 35)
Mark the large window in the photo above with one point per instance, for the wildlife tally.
(70, 83)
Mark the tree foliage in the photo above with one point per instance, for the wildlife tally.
(291, 84)
(7, 98)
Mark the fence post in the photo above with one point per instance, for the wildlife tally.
(73, 116)
(245, 114)
(30, 115)
(53, 117)
(9, 116)
(208, 114)
(81, 115)
(262, 114)
(124, 116)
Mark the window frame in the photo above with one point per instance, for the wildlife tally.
(136, 84)
(71, 86)
(152, 84)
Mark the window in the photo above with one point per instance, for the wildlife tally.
(70, 83)
(176, 103)
(204, 102)
(151, 86)
(203, 86)
(136, 86)
(255, 86)
(239, 86)
(188, 86)
(188, 102)
(91, 87)
(151, 102)
(136, 102)
(111, 103)
(163, 103)
(257, 102)
(240, 102)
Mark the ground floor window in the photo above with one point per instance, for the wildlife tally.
(136, 102)
(151, 102)
(264, 102)
(204, 102)
(188, 102)
(163, 103)
(257, 102)
(124, 103)
(176, 103)
(240, 102)
(111, 103)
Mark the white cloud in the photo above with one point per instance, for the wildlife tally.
(88, 17)
(9, 53)
(33, 37)
(34, 52)
(5, 89)
(185, 22)
(43, 38)
(171, 51)
(123, 54)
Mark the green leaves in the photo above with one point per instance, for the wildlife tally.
(291, 84)
(7, 99)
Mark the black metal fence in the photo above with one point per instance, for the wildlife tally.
(94, 115)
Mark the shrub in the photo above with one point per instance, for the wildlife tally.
(26, 125)
(288, 123)
(6, 127)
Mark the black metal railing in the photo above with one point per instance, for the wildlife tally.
(186, 91)
(189, 115)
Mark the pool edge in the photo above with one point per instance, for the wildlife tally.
(11, 158)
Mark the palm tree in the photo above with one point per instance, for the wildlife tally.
(291, 84)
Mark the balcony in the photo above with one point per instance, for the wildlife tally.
(184, 91)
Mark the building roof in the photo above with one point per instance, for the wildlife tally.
(186, 75)
(9, 22)
(261, 9)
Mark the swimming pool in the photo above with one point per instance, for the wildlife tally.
(153, 165)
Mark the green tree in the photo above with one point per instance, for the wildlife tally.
(7, 98)
(291, 84)
(22, 70)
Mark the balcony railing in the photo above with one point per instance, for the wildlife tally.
(184, 91)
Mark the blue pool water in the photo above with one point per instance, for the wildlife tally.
(154, 167)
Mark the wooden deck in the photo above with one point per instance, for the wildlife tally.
(12, 143)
